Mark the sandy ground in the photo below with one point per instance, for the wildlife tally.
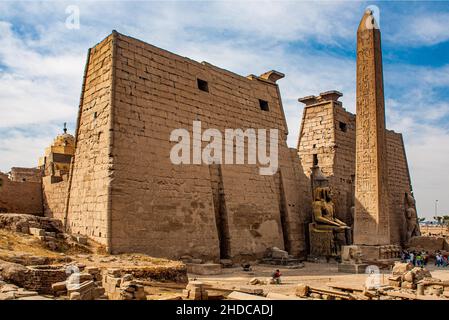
(313, 274)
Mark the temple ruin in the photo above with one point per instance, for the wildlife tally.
(347, 182)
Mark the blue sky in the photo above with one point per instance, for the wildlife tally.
(313, 43)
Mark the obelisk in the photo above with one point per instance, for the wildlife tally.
(371, 217)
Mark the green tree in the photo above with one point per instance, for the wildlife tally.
(445, 220)
(438, 219)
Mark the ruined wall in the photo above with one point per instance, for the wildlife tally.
(20, 196)
(55, 191)
(398, 184)
(25, 174)
(88, 186)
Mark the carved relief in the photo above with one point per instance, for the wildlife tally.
(371, 207)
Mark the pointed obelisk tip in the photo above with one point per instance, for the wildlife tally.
(368, 21)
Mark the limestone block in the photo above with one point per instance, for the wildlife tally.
(408, 277)
(427, 243)
(185, 293)
(84, 276)
(226, 263)
(127, 277)
(315, 295)
(81, 239)
(59, 286)
(34, 298)
(22, 293)
(279, 296)
(204, 269)
(352, 268)
(75, 296)
(92, 270)
(37, 232)
(408, 285)
(421, 273)
(98, 292)
(251, 290)
(302, 290)
(278, 253)
(114, 272)
(254, 281)
(400, 268)
(235, 295)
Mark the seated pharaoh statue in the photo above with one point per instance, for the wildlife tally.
(323, 211)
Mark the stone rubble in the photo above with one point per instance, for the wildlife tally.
(195, 291)
(124, 287)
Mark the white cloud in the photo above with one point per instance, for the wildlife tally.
(421, 29)
(20, 149)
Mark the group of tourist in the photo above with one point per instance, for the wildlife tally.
(441, 260)
(418, 259)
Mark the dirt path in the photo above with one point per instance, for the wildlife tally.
(313, 274)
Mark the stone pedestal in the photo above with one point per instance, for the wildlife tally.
(380, 253)
(325, 243)
(352, 268)
(355, 258)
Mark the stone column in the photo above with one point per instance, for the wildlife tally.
(371, 218)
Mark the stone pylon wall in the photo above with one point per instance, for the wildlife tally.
(89, 182)
(398, 183)
(328, 131)
(142, 201)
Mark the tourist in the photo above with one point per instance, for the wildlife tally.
(276, 277)
(438, 260)
(418, 260)
(403, 256)
(411, 258)
(246, 267)
(444, 261)
(425, 258)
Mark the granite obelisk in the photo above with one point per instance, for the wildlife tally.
(371, 218)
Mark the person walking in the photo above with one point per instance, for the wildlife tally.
(411, 258)
(438, 260)
(418, 260)
(425, 258)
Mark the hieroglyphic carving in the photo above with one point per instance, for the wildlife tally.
(371, 221)
(411, 217)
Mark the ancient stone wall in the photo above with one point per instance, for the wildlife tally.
(344, 162)
(20, 196)
(156, 92)
(55, 193)
(327, 137)
(88, 186)
(25, 174)
(295, 203)
(398, 184)
(160, 208)
(316, 138)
